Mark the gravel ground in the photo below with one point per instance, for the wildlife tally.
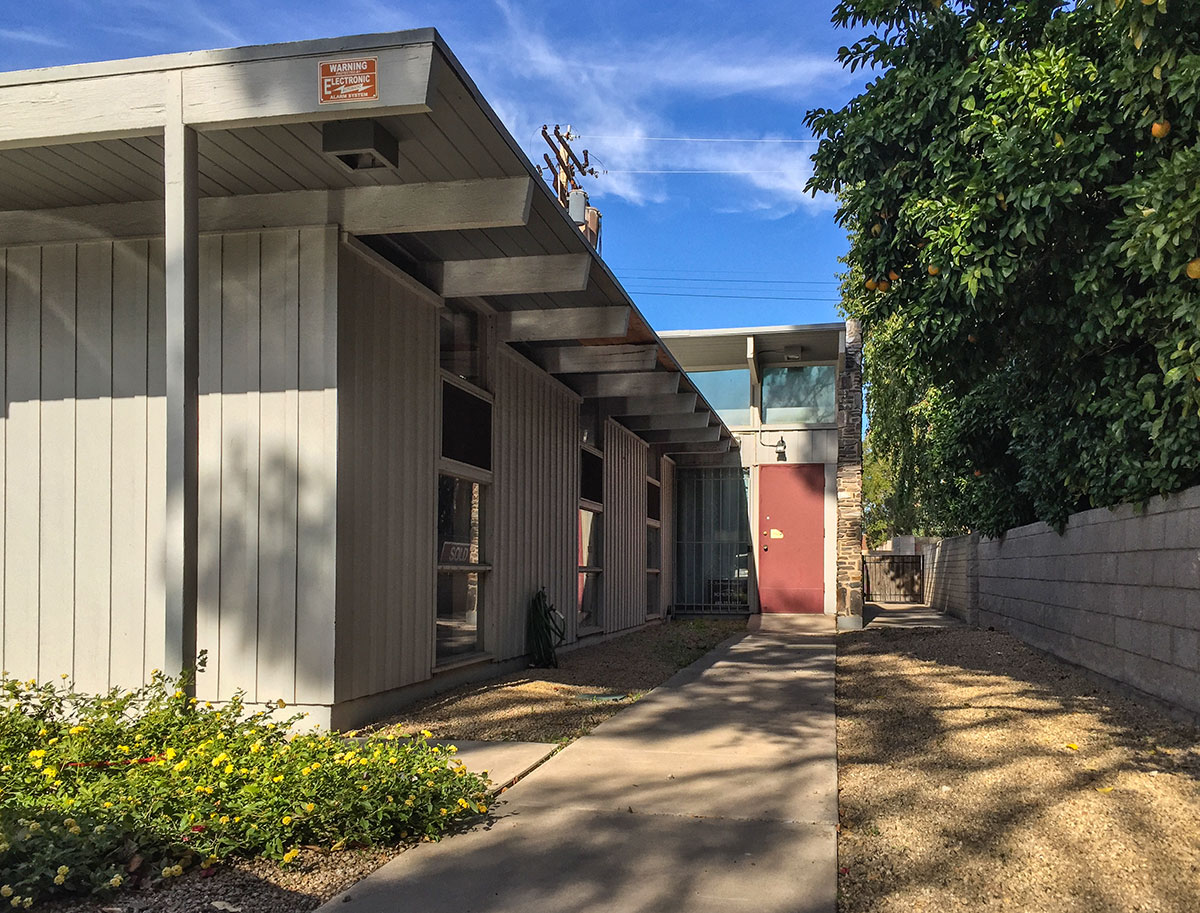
(554, 705)
(976, 773)
(539, 705)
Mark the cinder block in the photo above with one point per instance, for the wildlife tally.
(1163, 568)
(1145, 673)
(1160, 642)
(1189, 497)
(1154, 531)
(1185, 649)
(1187, 568)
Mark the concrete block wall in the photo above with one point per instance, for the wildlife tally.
(951, 576)
(1118, 592)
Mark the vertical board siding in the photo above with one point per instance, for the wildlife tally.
(624, 528)
(266, 474)
(84, 478)
(77, 492)
(535, 497)
(126, 643)
(387, 370)
(667, 500)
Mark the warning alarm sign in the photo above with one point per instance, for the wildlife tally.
(348, 80)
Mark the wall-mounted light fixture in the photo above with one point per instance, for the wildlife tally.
(780, 448)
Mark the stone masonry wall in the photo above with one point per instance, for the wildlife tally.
(1118, 593)
(849, 476)
(951, 575)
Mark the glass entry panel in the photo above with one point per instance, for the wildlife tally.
(713, 569)
(459, 560)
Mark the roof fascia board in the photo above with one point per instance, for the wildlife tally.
(245, 93)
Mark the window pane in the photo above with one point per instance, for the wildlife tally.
(726, 391)
(590, 601)
(458, 600)
(799, 395)
(460, 521)
(653, 547)
(466, 427)
(591, 477)
(653, 501)
(591, 539)
(460, 349)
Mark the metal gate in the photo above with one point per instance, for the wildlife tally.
(894, 578)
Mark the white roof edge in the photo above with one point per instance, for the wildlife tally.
(753, 331)
(186, 59)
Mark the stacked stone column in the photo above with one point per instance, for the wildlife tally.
(849, 482)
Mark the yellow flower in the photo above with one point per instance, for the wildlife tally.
(179, 693)
(115, 881)
(442, 810)
(228, 768)
(224, 819)
(426, 734)
(59, 879)
(309, 807)
(62, 869)
(170, 754)
(74, 730)
(482, 809)
(281, 703)
(278, 779)
(16, 901)
(37, 753)
(290, 855)
(287, 819)
(6, 891)
(463, 803)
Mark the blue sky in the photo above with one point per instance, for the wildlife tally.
(694, 250)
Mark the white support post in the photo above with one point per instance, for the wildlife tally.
(182, 280)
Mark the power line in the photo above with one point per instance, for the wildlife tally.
(653, 294)
(731, 281)
(694, 139)
(751, 171)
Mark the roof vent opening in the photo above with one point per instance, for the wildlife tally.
(360, 145)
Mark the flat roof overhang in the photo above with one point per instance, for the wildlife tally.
(87, 152)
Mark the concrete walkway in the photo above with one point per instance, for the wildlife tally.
(906, 615)
(717, 792)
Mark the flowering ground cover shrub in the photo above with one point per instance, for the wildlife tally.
(100, 791)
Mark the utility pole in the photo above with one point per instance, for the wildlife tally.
(564, 169)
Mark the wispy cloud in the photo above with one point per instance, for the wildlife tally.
(626, 92)
(31, 36)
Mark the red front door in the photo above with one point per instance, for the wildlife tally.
(790, 540)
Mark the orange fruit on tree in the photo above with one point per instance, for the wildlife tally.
(876, 229)
(893, 275)
(1193, 269)
(883, 285)
(1160, 129)
(871, 284)
(933, 270)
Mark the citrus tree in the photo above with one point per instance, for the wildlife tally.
(1021, 188)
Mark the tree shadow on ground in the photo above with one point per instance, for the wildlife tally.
(974, 769)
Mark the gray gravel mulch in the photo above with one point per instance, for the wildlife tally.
(977, 773)
(555, 705)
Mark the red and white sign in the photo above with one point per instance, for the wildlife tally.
(348, 80)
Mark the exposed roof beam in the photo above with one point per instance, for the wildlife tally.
(640, 423)
(650, 405)
(562, 323)
(752, 361)
(681, 435)
(436, 206)
(720, 446)
(641, 383)
(511, 275)
(596, 359)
